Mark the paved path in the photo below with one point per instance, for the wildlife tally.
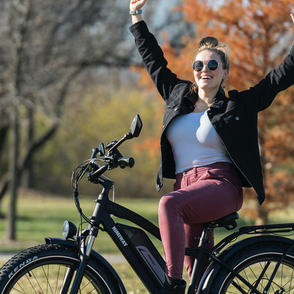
(111, 258)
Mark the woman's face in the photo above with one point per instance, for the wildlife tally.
(207, 79)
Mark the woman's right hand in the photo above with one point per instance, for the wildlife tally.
(137, 4)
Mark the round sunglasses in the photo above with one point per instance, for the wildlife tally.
(211, 64)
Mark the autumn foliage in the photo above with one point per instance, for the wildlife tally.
(258, 35)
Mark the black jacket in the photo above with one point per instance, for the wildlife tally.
(234, 118)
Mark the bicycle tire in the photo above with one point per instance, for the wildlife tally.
(41, 269)
(249, 262)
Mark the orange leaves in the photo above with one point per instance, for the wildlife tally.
(150, 146)
(279, 145)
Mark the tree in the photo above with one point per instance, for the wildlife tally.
(45, 46)
(259, 34)
(103, 120)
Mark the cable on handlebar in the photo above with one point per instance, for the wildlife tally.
(95, 173)
(75, 182)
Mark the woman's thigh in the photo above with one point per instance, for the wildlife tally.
(206, 194)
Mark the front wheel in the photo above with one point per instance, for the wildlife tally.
(255, 263)
(42, 269)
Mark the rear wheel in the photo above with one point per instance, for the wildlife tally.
(42, 269)
(255, 263)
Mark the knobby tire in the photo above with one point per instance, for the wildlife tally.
(42, 269)
(255, 263)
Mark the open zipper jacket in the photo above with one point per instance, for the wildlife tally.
(234, 117)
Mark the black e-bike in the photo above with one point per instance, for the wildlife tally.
(262, 263)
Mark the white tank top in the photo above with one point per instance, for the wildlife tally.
(195, 142)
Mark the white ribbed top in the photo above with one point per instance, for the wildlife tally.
(195, 142)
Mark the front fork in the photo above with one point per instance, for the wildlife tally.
(85, 253)
(85, 249)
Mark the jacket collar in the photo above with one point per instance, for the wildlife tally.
(219, 100)
(191, 97)
(217, 103)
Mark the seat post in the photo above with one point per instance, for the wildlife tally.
(198, 259)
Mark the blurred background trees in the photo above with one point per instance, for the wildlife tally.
(52, 54)
(45, 46)
(66, 86)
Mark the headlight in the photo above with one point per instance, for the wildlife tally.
(69, 230)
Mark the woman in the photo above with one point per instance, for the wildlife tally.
(208, 142)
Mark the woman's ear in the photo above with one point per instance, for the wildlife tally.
(226, 73)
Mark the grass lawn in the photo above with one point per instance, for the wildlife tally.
(40, 215)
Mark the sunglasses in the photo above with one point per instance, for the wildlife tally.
(211, 64)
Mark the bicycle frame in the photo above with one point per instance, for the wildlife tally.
(136, 246)
(146, 260)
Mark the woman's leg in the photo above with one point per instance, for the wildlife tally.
(205, 194)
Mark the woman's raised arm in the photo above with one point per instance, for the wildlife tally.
(136, 10)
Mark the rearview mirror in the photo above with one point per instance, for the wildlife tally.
(136, 126)
(101, 151)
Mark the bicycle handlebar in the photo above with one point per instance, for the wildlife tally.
(122, 162)
(93, 176)
(126, 161)
(112, 160)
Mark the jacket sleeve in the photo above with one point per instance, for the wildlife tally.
(154, 60)
(277, 80)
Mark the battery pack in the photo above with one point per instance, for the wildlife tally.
(146, 250)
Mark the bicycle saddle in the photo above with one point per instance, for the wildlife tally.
(228, 222)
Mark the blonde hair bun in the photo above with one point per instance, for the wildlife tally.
(211, 44)
(208, 43)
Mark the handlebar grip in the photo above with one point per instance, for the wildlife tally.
(126, 161)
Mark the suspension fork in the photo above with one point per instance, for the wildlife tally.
(85, 252)
(86, 247)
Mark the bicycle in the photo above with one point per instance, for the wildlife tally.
(262, 263)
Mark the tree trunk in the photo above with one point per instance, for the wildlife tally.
(3, 136)
(6, 179)
(28, 177)
(262, 218)
(11, 218)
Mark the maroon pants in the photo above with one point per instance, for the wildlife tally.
(200, 195)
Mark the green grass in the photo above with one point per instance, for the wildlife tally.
(42, 215)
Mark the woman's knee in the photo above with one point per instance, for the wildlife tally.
(168, 203)
(163, 204)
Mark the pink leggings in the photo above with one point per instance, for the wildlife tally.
(200, 195)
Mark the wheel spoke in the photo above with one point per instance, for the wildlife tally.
(49, 269)
(256, 264)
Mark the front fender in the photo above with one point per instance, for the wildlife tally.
(214, 267)
(94, 255)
